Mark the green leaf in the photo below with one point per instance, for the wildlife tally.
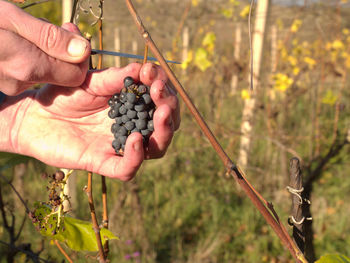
(79, 235)
(201, 59)
(334, 258)
(75, 233)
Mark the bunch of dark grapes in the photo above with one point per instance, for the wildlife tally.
(132, 109)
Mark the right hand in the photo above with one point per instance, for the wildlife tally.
(34, 51)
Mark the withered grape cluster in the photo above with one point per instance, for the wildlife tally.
(132, 109)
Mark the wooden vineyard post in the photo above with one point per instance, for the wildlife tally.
(117, 47)
(236, 56)
(249, 104)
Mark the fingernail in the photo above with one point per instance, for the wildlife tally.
(137, 146)
(76, 47)
(153, 73)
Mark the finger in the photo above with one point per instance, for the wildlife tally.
(132, 159)
(161, 94)
(110, 81)
(26, 64)
(151, 72)
(53, 40)
(163, 132)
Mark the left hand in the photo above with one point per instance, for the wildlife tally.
(68, 127)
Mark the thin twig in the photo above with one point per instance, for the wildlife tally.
(31, 254)
(229, 165)
(102, 258)
(16, 192)
(63, 252)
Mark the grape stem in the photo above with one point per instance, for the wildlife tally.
(265, 208)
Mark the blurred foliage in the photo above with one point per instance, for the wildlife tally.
(183, 208)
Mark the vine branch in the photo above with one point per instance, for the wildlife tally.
(88, 190)
(232, 169)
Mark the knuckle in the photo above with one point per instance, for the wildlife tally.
(49, 36)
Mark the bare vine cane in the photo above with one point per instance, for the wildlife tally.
(232, 169)
(96, 227)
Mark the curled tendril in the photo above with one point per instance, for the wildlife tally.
(87, 7)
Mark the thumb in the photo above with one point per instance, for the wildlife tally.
(55, 41)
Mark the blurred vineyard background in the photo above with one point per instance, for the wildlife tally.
(183, 208)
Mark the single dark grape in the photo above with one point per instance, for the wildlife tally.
(130, 125)
(146, 98)
(119, 120)
(129, 105)
(140, 107)
(122, 110)
(131, 114)
(112, 113)
(131, 97)
(128, 81)
(115, 127)
(142, 115)
(122, 131)
(111, 102)
(125, 118)
(122, 139)
(122, 97)
(141, 124)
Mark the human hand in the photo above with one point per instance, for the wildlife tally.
(69, 127)
(34, 51)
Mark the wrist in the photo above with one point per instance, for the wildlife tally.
(12, 112)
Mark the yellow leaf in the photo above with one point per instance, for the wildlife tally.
(329, 98)
(346, 31)
(209, 41)
(296, 71)
(228, 13)
(245, 11)
(282, 82)
(310, 62)
(201, 59)
(337, 45)
(188, 60)
(296, 25)
(245, 94)
(195, 2)
(292, 60)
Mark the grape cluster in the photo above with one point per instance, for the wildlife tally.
(132, 109)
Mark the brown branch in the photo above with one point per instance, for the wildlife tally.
(74, 8)
(231, 168)
(105, 211)
(88, 190)
(100, 38)
(63, 252)
(296, 189)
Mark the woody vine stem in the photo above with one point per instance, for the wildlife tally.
(264, 207)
